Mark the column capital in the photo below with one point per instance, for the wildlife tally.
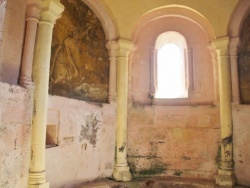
(51, 11)
(213, 51)
(2, 2)
(221, 46)
(125, 46)
(112, 47)
(33, 11)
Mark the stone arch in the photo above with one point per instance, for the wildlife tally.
(108, 23)
(175, 11)
(240, 12)
(238, 17)
(171, 14)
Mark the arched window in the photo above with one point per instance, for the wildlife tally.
(170, 66)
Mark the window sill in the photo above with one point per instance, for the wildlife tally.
(51, 146)
(180, 102)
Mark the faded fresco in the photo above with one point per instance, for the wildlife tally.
(244, 62)
(79, 61)
(90, 129)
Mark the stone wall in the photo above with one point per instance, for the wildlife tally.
(174, 140)
(79, 60)
(85, 148)
(241, 140)
(15, 129)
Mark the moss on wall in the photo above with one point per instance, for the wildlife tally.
(244, 62)
(79, 60)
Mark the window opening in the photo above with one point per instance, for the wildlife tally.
(170, 66)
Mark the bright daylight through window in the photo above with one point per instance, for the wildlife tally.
(171, 72)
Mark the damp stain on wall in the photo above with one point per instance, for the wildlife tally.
(153, 164)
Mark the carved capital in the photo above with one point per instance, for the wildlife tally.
(33, 11)
(213, 51)
(125, 47)
(221, 46)
(51, 11)
(2, 2)
(112, 46)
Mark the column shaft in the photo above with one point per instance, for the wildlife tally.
(51, 10)
(189, 62)
(32, 16)
(225, 173)
(112, 47)
(122, 75)
(153, 79)
(121, 171)
(234, 42)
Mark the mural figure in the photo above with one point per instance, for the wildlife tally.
(79, 59)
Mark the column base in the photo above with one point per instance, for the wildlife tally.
(38, 180)
(122, 173)
(26, 82)
(44, 185)
(225, 178)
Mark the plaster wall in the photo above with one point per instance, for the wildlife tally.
(86, 141)
(216, 12)
(12, 41)
(241, 142)
(15, 115)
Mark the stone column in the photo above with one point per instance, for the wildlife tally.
(2, 20)
(153, 70)
(190, 68)
(112, 47)
(233, 49)
(215, 73)
(32, 16)
(50, 12)
(121, 170)
(225, 172)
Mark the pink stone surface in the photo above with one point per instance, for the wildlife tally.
(178, 141)
(15, 129)
(12, 41)
(241, 140)
(78, 158)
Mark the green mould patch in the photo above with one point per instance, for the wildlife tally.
(152, 171)
(156, 168)
(218, 155)
(178, 173)
(185, 158)
(144, 157)
(227, 140)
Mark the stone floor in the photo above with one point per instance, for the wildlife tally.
(155, 182)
